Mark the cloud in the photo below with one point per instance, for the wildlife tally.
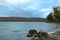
(32, 8)
(46, 9)
(3, 15)
(2, 4)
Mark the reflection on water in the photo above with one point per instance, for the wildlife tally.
(18, 30)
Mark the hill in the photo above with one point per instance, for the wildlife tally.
(22, 19)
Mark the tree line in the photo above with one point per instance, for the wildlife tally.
(55, 15)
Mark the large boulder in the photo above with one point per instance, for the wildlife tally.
(41, 36)
(45, 34)
(31, 33)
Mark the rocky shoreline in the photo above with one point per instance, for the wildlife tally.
(54, 35)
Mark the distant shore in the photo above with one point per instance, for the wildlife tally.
(22, 19)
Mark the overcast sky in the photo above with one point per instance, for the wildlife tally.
(27, 8)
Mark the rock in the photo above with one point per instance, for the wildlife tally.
(31, 33)
(45, 34)
(35, 38)
(42, 34)
(38, 34)
(55, 35)
(51, 37)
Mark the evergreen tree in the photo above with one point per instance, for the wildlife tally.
(50, 17)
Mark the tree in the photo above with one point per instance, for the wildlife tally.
(50, 17)
(56, 14)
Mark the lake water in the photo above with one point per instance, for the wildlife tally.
(19, 30)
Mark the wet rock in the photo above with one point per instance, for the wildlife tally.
(45, 34)
(31, 33)
(35, 38)
(37, 35)
(40, 36)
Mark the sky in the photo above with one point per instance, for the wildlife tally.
(27, 8)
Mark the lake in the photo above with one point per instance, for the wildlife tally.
(19, 30)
